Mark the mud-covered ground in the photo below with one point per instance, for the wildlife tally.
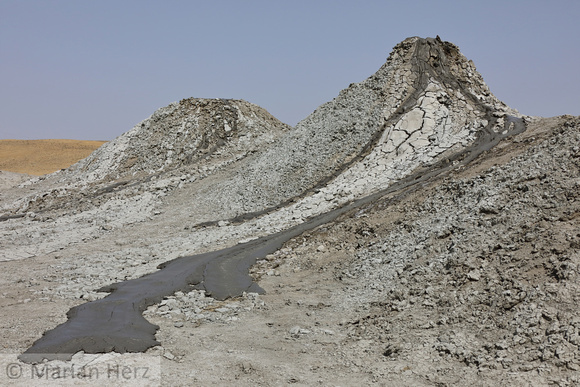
(470, 280)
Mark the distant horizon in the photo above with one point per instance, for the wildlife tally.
(47, 139)
(94, 70)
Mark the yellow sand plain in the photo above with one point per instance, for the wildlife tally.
(39, 157)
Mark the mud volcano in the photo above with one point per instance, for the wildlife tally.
(429, 112)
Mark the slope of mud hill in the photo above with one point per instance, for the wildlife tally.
(465, 271)
(470, 280)
(40, 157)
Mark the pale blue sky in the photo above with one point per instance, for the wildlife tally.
(93, 69)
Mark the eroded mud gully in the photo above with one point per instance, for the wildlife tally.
(115, 323)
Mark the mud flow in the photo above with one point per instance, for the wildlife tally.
(116, 323)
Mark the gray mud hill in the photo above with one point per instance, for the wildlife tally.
(179, 135)
(451, 258)
(238, 160)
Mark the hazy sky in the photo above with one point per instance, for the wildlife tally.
(94, 69)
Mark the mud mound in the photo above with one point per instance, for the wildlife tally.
(426, 99)
(180, 134)
(11, 179)
(237, 162)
